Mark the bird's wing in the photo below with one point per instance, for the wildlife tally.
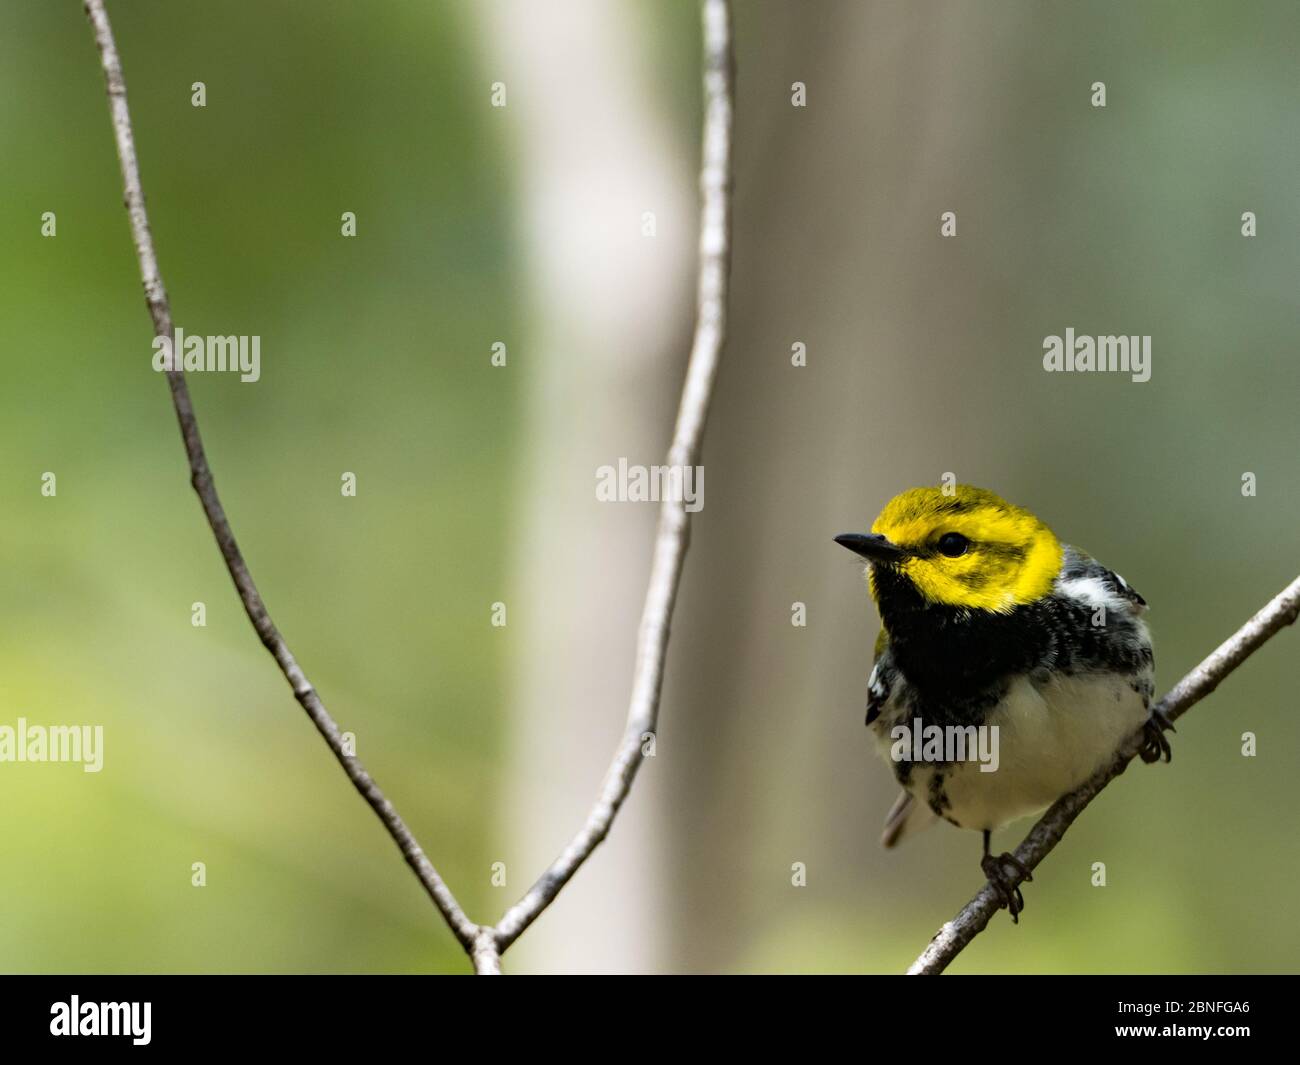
(907, 815)
(881, 679)
(1081, 566)
(1127, 591)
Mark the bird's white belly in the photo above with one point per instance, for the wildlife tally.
(1052, 736)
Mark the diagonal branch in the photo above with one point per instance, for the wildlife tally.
(953, 937)
(674, 521)
(201, 478)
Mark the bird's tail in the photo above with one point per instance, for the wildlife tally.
(904, 818)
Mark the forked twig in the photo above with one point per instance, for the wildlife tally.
(485, 944)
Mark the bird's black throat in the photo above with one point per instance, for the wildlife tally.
(956, 652)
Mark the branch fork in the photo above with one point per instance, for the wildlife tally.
(485, 944)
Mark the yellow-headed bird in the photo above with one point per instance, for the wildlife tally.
(1009, 666)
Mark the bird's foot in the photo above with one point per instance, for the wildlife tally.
(1155, 746)
(1007, 885)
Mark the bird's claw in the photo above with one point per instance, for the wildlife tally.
(1008, 886)
(1155, 746)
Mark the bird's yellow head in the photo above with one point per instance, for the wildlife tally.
(967, 548)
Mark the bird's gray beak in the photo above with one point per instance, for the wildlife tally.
(871, 546)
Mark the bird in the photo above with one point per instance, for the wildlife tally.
(997, 638)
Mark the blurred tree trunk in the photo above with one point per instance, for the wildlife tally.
(602, 356)
(766, 718)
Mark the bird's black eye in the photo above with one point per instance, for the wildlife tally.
(953, 545)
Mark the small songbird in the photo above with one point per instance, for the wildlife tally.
(1009, 666)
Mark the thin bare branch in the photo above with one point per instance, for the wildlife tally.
(201, 478)
(673, 533)
(953, 937)
(484, 955)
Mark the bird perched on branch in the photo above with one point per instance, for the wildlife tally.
(1008, 669)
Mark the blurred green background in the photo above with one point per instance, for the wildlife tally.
(526, 225)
